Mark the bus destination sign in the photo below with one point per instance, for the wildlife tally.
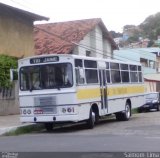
(44, 60)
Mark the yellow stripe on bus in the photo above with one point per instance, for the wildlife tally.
(88, 93)
(114, 91)
(125, 90)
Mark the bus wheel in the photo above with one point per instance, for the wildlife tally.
(125, 115)
(91, 121)
(49, 126)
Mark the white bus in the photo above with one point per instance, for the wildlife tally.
(71, 88)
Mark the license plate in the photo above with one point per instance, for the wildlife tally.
(49, 110)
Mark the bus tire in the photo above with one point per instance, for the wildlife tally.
(127, 112)
(91, 121)
(125, 115)
(118, 116)
(48, 126)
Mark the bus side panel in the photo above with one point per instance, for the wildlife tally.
(116, 105)
(86, 97)
(119, 94)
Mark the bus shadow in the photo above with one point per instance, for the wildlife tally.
(81, 126)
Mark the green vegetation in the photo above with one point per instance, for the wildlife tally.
(150, 29)
(25, 130)
(6, 63)
(135, 111)
(115, 34)
(151, 26)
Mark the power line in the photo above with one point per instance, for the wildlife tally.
(26, 7)
(97, 38)
(16, 2)
(85, 46)
(94, 50)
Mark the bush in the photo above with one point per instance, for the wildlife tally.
(6, 63)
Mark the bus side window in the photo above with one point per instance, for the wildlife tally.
(79, 75)
(108, 76)
(115, 73)
(79, 71)
(133, 73)
(124, 73)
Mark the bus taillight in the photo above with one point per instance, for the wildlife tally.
(38, 111)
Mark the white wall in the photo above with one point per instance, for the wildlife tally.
(95, 43)
(99, 42)
(107, 49)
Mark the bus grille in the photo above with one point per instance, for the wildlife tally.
(45, 101)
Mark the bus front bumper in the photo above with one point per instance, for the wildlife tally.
(56, 118)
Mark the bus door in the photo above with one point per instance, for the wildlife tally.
(103, 90)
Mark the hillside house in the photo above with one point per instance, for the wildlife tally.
(87, 37)
(16, 31)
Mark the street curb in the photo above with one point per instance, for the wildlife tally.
(6, 130)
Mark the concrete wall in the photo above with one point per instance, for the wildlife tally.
(95, 43)
(9, 101)
(16, 35)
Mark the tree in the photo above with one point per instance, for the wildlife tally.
(115, 34)
(151, 26)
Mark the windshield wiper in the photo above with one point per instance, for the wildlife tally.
(31, 88)
(57, 87)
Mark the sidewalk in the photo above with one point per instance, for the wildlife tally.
(9, 122)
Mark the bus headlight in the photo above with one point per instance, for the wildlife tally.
(64, 110)
(25, 111)
(29, 111)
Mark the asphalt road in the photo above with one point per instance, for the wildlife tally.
(141, 133)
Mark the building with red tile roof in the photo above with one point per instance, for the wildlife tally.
(84, 37)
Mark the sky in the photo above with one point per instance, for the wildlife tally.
(114, 13)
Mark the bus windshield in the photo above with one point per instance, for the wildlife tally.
(49, 76)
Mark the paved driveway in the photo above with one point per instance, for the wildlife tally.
(146, 124)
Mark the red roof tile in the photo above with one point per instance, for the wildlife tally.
(60, 38)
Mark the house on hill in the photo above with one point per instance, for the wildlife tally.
(87, 37)
(16, 31)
